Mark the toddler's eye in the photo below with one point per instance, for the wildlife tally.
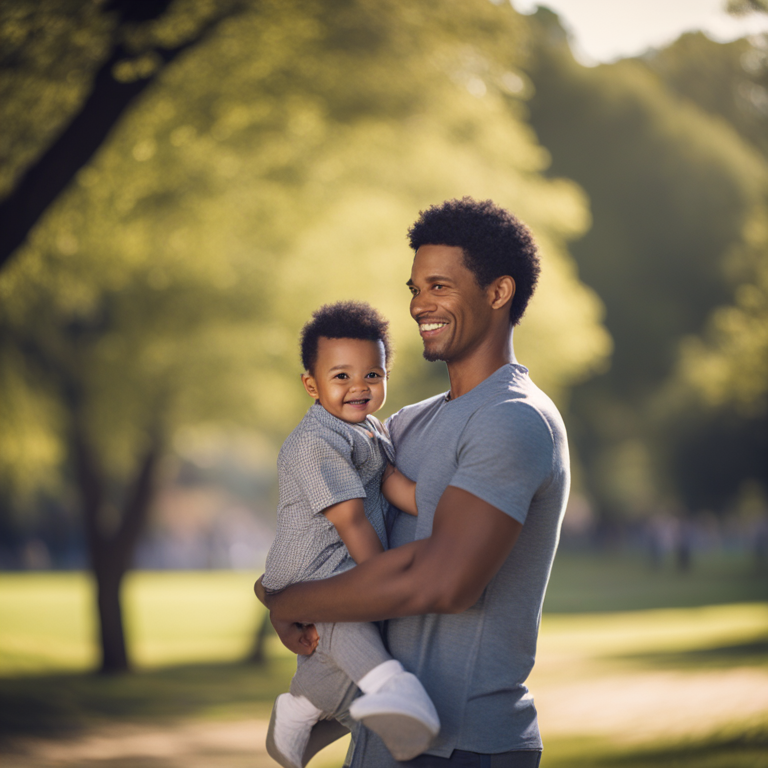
(341, 376)
(373, 375)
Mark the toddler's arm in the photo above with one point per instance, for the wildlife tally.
(399, 490)
(357, 533)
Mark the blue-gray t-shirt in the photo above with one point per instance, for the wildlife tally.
(503, 441)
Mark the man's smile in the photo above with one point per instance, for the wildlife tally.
(430, 328)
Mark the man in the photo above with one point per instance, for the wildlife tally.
(464, 582)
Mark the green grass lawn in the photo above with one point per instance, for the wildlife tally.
(605, 619)
(47, 620)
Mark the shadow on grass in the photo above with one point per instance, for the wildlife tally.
(748, 749)
(748, 654)
(67, 704)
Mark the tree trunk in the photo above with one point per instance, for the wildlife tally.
(111, 553)
(114, 653)
(257, 655)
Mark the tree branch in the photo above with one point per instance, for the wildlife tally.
(136, 511)
(76, 145)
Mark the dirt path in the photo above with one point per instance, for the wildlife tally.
(628, 707)
(650, 705)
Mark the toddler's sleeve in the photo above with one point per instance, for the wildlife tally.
(325, 472)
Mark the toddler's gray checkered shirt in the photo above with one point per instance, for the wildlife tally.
(322, 462)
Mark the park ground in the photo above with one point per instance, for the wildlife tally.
(637, 667)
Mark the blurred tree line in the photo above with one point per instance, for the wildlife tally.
(672, 151)
(184, 182)
(252, 161)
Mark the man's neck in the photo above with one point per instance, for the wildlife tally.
(467, 373)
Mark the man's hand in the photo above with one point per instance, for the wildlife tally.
(261, 593)
(301, 639)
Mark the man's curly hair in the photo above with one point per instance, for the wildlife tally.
(494, 243)
(343, 320)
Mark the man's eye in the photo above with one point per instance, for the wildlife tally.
(438, 286)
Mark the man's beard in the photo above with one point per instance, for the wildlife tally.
(433, 355)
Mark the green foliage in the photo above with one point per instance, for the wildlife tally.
(743, 7)
(728, 365)
(677, 183)
(729, 80)
(48, 49)
(274, 167)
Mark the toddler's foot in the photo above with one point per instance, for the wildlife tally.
(401, 713)
(289, 729)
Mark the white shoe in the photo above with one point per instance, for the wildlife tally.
(289, 729)
(401, 713)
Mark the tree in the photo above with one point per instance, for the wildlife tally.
(728, 80)
(138, 41)
(676, 195)
(274, 167)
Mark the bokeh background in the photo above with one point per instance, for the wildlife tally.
(183, 182)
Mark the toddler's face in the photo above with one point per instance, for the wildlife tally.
(350, 378)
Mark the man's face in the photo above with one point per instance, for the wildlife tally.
(349, 379)
(452, 311)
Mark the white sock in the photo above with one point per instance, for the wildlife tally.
(379, 676)
(299, 709)
(294, 718)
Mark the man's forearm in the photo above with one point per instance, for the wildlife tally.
(444, 573)
(381, 588)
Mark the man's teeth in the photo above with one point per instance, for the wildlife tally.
(431, 326)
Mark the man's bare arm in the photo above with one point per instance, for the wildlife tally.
(445, 573)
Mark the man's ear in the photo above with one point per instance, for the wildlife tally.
(308, 380)
(501, 291)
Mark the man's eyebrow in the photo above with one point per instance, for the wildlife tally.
(433, 279)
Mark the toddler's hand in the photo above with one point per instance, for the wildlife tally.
(301, 639)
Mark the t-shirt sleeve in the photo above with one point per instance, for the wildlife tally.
(505, 456)
(325, 473)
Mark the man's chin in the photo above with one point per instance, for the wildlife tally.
(433, 355)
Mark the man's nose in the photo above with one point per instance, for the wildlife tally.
(420, 304)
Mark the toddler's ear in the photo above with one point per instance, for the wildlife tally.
(309, 384)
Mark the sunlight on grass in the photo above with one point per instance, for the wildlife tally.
(199, 616)
(742, 747)
(620, 633)
(659, 687)
(48, 621)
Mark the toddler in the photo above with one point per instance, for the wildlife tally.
(332, 514)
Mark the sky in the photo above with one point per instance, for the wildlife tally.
(605, 30)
